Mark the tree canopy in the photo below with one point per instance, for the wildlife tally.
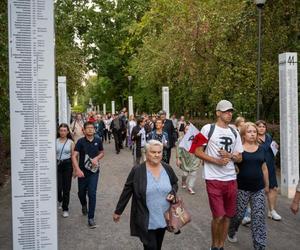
(203, 50)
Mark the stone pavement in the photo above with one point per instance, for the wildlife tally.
(73, 232)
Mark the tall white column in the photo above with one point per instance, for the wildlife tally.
(113, 111)
(165, 101)
(32, 124)
(104, 109)
(62, 100)
(289, 143)
(130, 105)
(68, 110)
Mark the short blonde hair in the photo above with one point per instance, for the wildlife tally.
(239, 120)
(244, 130)
(153, 143)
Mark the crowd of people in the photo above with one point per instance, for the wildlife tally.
(238, 162)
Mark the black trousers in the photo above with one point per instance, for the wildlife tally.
(168, 155)
(118, 139)
(156, 238)
(64, 181)
(107, 134)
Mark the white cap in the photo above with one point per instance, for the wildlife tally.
(224, 105)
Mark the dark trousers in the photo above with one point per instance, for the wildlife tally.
(107, 135)
(156, 238)
(64, 180)
(258, 222)
(88, 184)
(168, 155)
(118, 140)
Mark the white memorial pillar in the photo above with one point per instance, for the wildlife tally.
(289, 145)
(68, 110)
(62, 100)
(104, 109)
(113, 111)
(98, 109)
(165, 101)
(130, 105)
(32, 124)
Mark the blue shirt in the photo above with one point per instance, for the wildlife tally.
(91, 148)
(156, 194)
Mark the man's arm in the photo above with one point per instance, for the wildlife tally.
(97, 158)
(295, 203)
(205, 157)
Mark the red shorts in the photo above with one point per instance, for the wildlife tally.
(222, 197)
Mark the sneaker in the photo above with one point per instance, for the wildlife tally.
(232, 239)
(92, 223)
(59, 205)
(274, 215)
(246, 220)
(84, 210)
(65, 214)
(191, 191)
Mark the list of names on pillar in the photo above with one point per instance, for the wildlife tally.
(32, 111)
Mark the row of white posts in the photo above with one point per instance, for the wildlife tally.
(33, 122)
(165, 102)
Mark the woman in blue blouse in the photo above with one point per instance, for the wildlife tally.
(152, 185)
(265, 141)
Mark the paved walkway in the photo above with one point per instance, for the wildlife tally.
(73, 232)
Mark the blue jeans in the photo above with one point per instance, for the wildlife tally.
(88, 184)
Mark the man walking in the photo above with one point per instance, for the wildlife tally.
(223, 149)
(117, 126)
(170, 130)
(90, 150)
(138, 136)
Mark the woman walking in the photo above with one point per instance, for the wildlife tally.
(152, 186)
(188, 163)
(253, 182)
(265, 141)
(64, 150)
(159, 135)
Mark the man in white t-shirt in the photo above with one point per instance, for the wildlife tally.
(223, 149)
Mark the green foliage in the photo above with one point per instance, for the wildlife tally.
(206, 51)
(70, 58)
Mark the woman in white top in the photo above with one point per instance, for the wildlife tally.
(64, 150)
(130, 125)
(107, 132)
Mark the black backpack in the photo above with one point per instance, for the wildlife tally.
(212, 128)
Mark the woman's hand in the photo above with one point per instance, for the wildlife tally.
(178, 162)
(294, 207)
(267, 189)
(170, 197)
(116, 217)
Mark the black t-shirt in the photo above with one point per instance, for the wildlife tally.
(250, 176)
(91, 148)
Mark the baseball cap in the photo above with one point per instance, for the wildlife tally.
(224, 105)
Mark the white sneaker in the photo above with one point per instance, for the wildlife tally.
(246, 220)
(232, 239)
(59, 205)
(274, 215)
(65, 214)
